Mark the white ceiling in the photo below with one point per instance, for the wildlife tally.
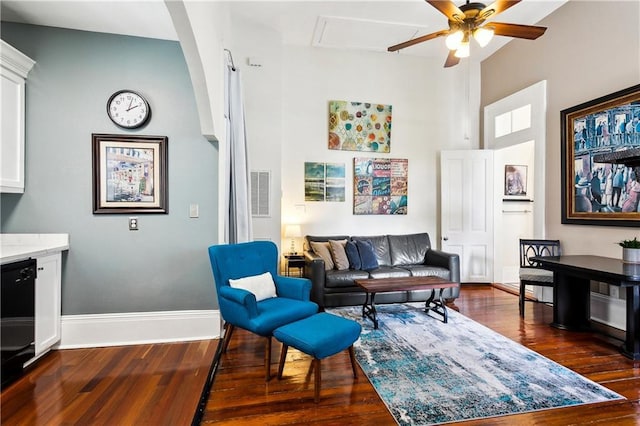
(364, 25)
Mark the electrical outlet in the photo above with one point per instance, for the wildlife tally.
(133, 224)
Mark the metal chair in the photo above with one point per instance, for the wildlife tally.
(531, 273)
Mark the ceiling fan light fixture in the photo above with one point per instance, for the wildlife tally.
(483, 35)
(454, 40)
(463, 50)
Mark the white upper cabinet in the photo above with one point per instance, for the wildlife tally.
(14, 69)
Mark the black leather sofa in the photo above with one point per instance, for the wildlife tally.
(397, 256)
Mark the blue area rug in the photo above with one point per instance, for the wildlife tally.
(428, 372)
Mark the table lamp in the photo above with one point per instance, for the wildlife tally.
(293, 232)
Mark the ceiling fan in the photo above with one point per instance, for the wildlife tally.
(466, 22)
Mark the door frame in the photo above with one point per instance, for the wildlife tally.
(536, 96)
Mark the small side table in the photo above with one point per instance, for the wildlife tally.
(295, 261)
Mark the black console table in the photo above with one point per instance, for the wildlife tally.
(571, 297)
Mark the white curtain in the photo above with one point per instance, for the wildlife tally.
(237, 225)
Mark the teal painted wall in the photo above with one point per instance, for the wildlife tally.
(164, 265)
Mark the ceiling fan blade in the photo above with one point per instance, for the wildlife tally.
(447, 8)
(417, 40)
(529, 32)
(451, 59)
(497, 7)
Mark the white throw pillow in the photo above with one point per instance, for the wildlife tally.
(262, 286)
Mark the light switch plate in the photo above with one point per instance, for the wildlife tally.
(193, 210)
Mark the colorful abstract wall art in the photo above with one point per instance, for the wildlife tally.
(324, 182)
(359, 126)
(380, 185)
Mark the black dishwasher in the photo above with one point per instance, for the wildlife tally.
(17, 333)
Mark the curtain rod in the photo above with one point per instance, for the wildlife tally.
(230, 57)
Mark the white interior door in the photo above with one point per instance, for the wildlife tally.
(467, 211)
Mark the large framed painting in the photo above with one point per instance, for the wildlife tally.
(601, 160)
(129, 174)
(380, 186)
(359, 126)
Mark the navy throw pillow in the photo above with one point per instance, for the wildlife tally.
(352, 254)
(367, 255)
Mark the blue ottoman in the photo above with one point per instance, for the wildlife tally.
(320, 335)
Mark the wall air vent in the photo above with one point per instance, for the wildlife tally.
(260, 193)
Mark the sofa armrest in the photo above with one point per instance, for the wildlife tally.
(314, 270)
(293, 288)
(443, 259)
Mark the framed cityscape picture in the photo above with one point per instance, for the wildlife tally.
(129, 174)
(601, 160)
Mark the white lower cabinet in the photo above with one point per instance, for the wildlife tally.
(48, 294)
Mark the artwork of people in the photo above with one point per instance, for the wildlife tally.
(515, 180)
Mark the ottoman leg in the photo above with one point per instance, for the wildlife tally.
(316, 366)
(283, 356)
(353, 361)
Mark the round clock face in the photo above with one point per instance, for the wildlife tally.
(128, 109)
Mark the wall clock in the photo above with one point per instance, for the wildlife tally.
(128, 109)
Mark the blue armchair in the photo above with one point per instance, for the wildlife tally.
(239, 307)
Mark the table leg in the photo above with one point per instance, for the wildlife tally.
(369, 309)
(631, 347)
(571, 302)
(437, 306)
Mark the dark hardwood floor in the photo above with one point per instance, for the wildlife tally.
(125, 385)
(240, 395)
(161, 384)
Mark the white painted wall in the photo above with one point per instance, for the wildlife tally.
(262, 88)
(430, 104)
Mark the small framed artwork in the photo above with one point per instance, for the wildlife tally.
(601, 160)
(515, 181)
(129, 174)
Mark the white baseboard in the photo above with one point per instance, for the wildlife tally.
(136, 328)
(609, 311)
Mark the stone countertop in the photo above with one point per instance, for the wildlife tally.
(15, 247)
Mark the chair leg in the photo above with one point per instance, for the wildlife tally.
(267, 359)
(318, 377)
(352, 355)
(521, 299)
(228, 331)
(283, 356)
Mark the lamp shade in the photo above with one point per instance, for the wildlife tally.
(483, 35)
(292, 231)
(463, 50)
(454, 39)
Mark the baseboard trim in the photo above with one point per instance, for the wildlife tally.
(609, 311)
(136, 328)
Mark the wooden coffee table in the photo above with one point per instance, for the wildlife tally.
(385, 285)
